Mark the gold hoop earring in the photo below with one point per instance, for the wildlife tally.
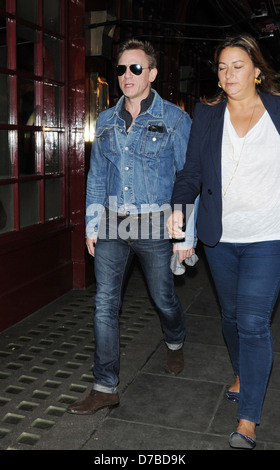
(258, 81)
(219, 85)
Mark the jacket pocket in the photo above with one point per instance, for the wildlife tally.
(154, 139)
(107, 143)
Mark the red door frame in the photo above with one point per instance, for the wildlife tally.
(41, 263)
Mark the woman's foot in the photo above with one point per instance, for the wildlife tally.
(232, 394)
(244, 437)
(247, 428)
(235, 387)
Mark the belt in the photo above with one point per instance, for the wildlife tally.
(135, 216)
(138, 216)
(126, 215)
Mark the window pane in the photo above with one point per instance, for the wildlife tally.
(52, 15)
(27, 153)
(26, 39)
(29, 203)
(3, 42)
(26, 105)
(5, 155)
(6, 209)
(53, 190)
(52, 105)
(27, 10)
(52, 152)
(52, 58)
(4, 99)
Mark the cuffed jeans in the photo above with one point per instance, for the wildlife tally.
(247, 279)
(112, 259)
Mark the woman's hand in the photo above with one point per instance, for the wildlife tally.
(184, 252)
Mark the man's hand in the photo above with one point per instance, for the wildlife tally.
(91, 242)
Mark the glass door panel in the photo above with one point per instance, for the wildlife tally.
(6, 208)
(29, 203)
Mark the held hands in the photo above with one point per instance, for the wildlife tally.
(174, 227)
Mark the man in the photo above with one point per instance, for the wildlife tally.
(140, 144)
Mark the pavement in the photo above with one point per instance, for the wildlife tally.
(46, 363)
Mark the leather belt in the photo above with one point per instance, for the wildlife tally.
(135, 216)
(139, 215)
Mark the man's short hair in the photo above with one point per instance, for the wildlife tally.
(144, 46)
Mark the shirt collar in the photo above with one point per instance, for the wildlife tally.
(145, 104)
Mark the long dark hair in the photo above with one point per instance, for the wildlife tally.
(269, 78)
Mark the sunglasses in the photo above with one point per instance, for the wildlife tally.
(136, 69)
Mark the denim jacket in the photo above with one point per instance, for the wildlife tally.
(135, 172)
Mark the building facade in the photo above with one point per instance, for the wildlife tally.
(57, 61)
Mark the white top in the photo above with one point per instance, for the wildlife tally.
(251, 205)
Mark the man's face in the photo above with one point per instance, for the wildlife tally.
(136, 86)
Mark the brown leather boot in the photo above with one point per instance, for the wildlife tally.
(93, 402)
(174, 361)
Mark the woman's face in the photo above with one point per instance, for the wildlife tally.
(237, 72)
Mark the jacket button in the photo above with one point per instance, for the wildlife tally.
(209, 191)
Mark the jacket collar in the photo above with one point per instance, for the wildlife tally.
(216, 132)
(155, 109)
(272, 105)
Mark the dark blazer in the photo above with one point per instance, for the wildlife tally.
(202, 171)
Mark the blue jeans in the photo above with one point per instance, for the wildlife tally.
(247, 279)
(112, 259)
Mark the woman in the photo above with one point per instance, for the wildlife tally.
(233, 161)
